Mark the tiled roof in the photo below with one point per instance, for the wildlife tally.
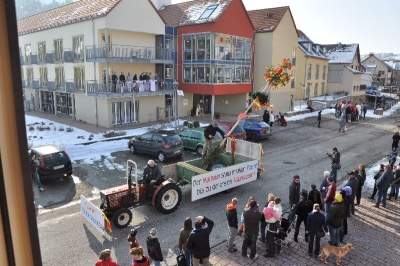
(266, 20)
(341, 53)
(187, 13)
(76, 12)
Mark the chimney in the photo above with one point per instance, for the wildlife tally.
(268, 14)
(371, 53)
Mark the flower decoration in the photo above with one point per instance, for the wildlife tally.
(279, 76)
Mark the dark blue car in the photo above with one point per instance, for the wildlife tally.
(256, 130)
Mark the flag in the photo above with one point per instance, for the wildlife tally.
(108, 224)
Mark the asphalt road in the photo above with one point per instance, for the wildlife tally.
(300, 148)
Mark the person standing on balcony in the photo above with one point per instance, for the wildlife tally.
(129, 82)
(114, 79)
(122, 81)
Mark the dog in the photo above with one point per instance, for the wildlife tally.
(340, 252)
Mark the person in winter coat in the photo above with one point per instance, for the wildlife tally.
(335, 158)
(383, 184)
(294, 197)
(138, 257)
(153, 247)
(209, 134)
(304, 207)
(314, 195)
(34, 167)
(151, 177)
(105, 259)
(199, 240)
(252, 216)
(319, 118)
(231, 215)
(183, 238)
(335, 219)
(266, 116)
(315, 223)
(361, 177)
(271, 118)
(133, 240)
(329, 195)
(395, 185)
(346, 193)
(353, 183)
(272, 229)
(393, 158)
(376, 176)
(395, 143)
(322, 187)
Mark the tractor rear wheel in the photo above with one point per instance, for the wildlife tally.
(122, 218)
(168, 198)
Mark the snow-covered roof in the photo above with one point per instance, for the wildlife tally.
(303, 37)
(73, 13)
(193, 12)
(341, 53)
(393, 64)
(266, 20)
(312, 50)
(354, 70)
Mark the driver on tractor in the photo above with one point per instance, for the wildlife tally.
(151, 177)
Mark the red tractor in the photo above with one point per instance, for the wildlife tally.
(117, 201)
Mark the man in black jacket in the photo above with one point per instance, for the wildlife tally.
(335, 157)
(199, 240)
(335, 219)
(151, 177)
(304, 207)
(376, 176)
(252, 216)
(231, 215)
(209, 134)
(395, 185)
(294, 197)
(153, 247)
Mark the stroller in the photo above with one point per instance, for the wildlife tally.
(282, 232)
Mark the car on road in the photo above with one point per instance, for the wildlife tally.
(238, 132)
(163, 144)
(255, 129)
(193, 139)
(372, 90)
(54, 162)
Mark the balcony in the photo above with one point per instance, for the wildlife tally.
(50, 58)
(140, 88)
(129, 54)
(31, 59)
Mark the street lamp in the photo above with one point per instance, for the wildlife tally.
(175, 103)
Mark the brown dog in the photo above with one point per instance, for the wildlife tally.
(340, 252)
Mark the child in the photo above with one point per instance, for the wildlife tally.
(270, 214)
(133, 239)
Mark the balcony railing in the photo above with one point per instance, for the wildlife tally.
(32, 59)
(126, 53)
(139, 88)
(50, 58)
(35, 84)
(68, 56)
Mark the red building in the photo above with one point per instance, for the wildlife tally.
(214, 53)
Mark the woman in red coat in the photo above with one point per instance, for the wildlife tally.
(105, 259)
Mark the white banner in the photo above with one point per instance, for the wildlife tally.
(92, 214)
(222, 179)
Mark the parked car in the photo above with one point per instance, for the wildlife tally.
(54, 162)
(238, 132)
(163, 144)
(255, 129)
(193, 139)
(372, 90)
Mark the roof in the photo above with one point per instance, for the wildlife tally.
(75, 12)
(393, 64)
(354, 71)
(341, 53)
(303, 37)
(188, 13)
(313, 50)
(266, 20)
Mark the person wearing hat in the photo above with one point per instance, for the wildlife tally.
(361, 176)
(199, 240)
(383, 184)
(335, 219)
(335, 157)
(303, 208)
(353, 183)
(209, 134)
(153, 247)
(105, 259)
(133, 239)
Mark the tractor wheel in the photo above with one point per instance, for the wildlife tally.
(168, 198)
(122, 218)
(161, 157)
(132, 149)
(199, 150)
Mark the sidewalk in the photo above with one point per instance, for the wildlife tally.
(375, 233)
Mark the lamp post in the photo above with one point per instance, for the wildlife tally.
(175, 104)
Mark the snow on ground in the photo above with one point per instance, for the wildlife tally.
(92, 153)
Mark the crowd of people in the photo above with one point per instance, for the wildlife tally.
(349, 112)
(128, 83)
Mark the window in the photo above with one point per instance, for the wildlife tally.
(292, 80)
(28, 53)
(201, 45)
(195, 135)
(200, 74)
(323, 88)
(238, 74)
(186, 74)
(294, 57)
(188, 48)
(29, 77)
(78, 46)
(308, 90)
(58, 50)
(60, 78)
(42, 52)
(316, 89)
(104, 43)
(323, 73)
(43, 77)
(317, 72)
(371, 63)
(210, 9)
(309, 72)
(79, 78)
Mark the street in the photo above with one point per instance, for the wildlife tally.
(300, 148)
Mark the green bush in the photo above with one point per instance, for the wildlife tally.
(217, 115)
(196, 124)
(190, 125)
(185, 123)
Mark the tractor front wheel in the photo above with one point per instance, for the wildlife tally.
(168, 198)
(122, 218)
